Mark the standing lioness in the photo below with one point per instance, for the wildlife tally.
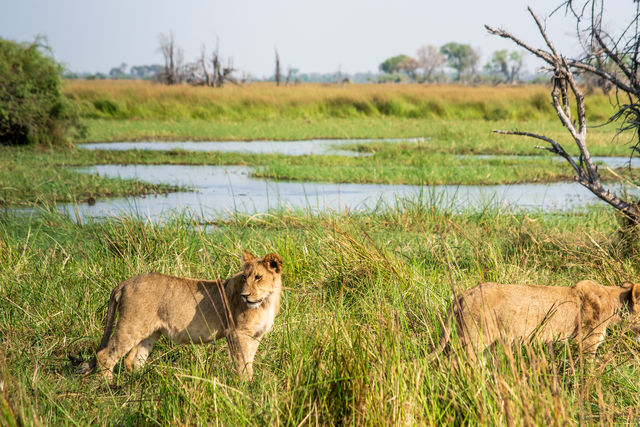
(491, 312)
(241, 309)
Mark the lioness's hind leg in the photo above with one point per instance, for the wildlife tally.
(138, 354)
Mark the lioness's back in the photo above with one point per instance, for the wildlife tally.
(517, 310)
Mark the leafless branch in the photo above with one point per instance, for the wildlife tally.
(564, 90)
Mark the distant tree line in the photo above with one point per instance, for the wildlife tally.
(450, 62)
(431, 64)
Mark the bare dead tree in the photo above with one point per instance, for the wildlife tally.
(217, 68)
(278, 74)
(623, 51)
(202, 62)
(202, 72)
(221, 74)
(430, 60)
(227, 73)
(287, 81)
(173, 60)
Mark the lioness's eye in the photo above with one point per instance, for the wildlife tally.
(258, 277)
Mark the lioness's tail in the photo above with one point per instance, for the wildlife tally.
(444, 338)
(83, 367)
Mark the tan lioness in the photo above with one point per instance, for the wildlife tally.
(241, 309)
(491, 312)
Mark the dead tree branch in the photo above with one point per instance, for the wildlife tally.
(278, 73)
(173, 72)
(564, 90)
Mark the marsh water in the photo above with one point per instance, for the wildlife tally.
(290, 148)
(225, 190)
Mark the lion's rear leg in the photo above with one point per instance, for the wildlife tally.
(138, 354)
(121, 342)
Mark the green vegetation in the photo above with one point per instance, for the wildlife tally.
(453, 121)
(414, 164)
(359, 315)
(141, 100)
(442, 136)
(32, 107)
(460, 57)
(30, 177)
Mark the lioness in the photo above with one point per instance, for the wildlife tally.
(191, 311)
(492, 312)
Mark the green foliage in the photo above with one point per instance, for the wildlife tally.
(393, 64)
(460, 57)
(506, 63)
(32, 107)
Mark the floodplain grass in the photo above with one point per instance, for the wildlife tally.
(442, 136)
(146, 100)
(31, 176)
(362, 293)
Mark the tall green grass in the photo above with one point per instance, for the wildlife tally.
(145, 100)
(359, 315)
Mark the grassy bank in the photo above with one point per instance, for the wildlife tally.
(359, 315)
(31, 176)
(444, 136)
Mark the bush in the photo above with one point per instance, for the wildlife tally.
(32, 108)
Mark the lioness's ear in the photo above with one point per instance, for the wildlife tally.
(247, 257)
(635, 297)
(273, 261)
(627, 285)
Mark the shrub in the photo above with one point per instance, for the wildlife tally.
(32, 108)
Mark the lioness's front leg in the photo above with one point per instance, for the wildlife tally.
(245, 347)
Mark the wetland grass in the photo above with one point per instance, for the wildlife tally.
(360, 306)
(119, 99)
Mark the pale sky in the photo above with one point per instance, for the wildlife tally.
(313, 36)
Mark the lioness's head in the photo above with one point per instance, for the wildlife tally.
(633, 301)
(260, 278)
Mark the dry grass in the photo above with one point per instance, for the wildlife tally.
(143, 99)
